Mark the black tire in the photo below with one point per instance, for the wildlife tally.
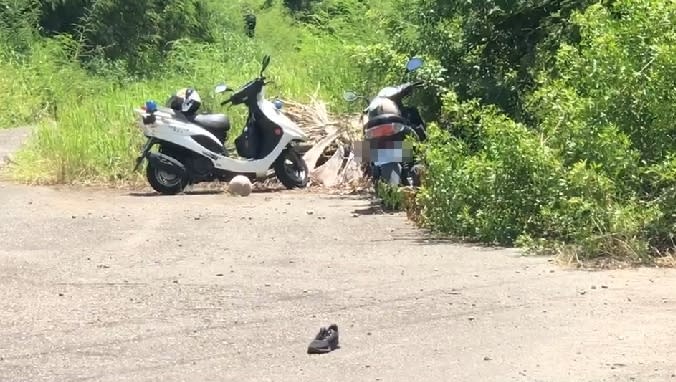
(159, 183)
(294, 174)
(390, 173)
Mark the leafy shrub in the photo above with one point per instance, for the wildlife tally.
(17, 20)
(505, 185)
(661, 182)
(621, 77)
(137, 32)
(391, 197)
(595, 176)
(492, 194)
(488, 48)
(381, 65)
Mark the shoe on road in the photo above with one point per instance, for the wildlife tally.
(325, 341)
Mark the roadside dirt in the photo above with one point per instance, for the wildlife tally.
(119, 286)
(10, 141)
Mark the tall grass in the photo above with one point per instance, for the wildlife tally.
(86, 130)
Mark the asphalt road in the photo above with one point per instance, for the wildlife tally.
(108, 285)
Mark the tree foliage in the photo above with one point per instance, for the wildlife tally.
(139, 33)
(488, 48)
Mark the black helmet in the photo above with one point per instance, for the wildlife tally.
(186, 100)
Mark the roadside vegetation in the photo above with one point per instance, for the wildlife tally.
(552, 122)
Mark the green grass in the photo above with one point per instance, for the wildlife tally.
(86, 131)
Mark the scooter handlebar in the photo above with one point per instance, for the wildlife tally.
(241, 92)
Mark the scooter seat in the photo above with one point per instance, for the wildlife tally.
(385, 118)
(216, 124)
(213, 121)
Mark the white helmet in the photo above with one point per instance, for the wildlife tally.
(191, 102)
(186, 100)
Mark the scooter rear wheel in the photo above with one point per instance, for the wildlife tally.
(389, 173)
(291, 169)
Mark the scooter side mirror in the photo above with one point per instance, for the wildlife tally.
(414, 64)
(266, 62)
(350, 96)
(222, 88)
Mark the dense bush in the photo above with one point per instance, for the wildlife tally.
(488, 47)
(137, 32)
(495, 191)
(594, 175)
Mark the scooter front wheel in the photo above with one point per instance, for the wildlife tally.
(291, 169)
(165, 182)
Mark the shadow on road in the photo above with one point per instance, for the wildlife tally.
(373, 209)
(202, 192)
(428, 239)
(190, 193)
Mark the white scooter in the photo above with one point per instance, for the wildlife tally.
(191, 145)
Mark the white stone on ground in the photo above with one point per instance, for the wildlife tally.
(240, 185)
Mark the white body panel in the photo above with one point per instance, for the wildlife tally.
(172, 128)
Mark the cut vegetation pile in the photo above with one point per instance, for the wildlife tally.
(330, 154)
